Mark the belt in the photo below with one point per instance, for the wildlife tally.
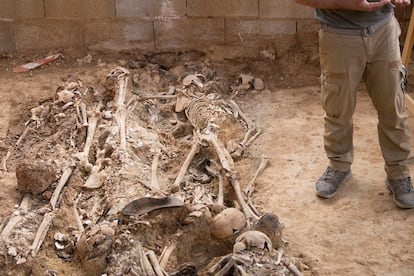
(362, 32)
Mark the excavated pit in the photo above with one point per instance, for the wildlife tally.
(115, 205)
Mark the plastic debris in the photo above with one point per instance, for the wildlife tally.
(34, 64)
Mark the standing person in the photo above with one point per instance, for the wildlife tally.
(359, 40)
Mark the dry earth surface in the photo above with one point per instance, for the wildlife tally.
(360, 232)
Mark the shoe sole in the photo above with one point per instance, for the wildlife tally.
(337, 190)
(387, 183)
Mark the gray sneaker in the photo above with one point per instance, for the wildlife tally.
(402, 191)
(328, 184)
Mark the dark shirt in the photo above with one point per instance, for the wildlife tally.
(347, 19)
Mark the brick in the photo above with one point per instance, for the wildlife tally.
(151, 9)
(7, 42)
(7, 9)
(219, 8)
(79, 8)
(251, 31)
(49, 33)
(29, 9)
(188, 33)
(284, 9)
(128, 34)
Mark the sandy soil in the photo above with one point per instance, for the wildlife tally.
(360, 232)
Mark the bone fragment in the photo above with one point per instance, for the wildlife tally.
(251, 185)
(279, 256)
(122, 76)
(15, 219)
(215, 171)
(154, 170)
(241, 271)
(64, 178)
(292, 267)
(76, 214)
(67, 105)
(194, 150)
(152, 188)
(78, 114)
(41, 232)
(216, 267)
(156, 97)
(220, 197)
(254, 137)
(226, 268)
(235, 182)
(166, 253)
(84, 114)
(251, 127)
(224, 156)
(144, 262)
(18, 142)
(155, 264)
(120, 117)
(93, 118)
(94, 180)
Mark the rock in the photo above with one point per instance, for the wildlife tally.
(270, 225)
(34, 177)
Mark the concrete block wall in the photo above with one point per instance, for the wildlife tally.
(148, 24)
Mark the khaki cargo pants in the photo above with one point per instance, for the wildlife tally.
(376, 59)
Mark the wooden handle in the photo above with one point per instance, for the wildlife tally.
(406, 54)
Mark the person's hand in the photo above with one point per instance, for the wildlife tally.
(401, 3)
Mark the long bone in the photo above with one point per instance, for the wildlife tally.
(155, 264)
(251, 127)
(84, 114)
(235, 182)
(94, 179)
(214, 170)
(122, 75)
(76, 214)
(154, 170)
(224, 156)
(144, 261)
(18, 142)
(64, 178)
(41, 232)
(166, 253)
(251, 185)
(195, 148)
(227, 163)
(16, 218)
(93, 118)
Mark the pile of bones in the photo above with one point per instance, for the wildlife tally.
(125, 182)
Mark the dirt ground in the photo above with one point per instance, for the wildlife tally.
(359, 232)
